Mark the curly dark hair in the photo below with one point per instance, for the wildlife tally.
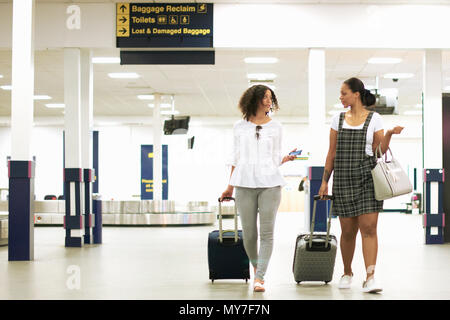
(248, 104)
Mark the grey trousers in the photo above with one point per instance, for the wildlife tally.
(249, 202)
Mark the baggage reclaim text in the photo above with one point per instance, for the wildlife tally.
(161, 9)
(180, 31)
(232, 309)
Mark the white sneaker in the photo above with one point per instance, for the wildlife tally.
(345, 282)
(370, 286)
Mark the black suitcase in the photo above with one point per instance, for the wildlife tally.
(227, 258)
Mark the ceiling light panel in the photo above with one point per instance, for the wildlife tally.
(55, 105)
(41, 97)
(106, 60)
(123, 75)
(146, 97)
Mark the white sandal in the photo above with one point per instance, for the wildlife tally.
(258, 286)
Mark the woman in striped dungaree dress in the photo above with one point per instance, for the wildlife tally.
(354, 137)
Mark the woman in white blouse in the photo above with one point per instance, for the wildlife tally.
(255, 175)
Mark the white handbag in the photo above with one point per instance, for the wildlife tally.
(389, 179)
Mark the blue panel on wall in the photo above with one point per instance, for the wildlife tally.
(146, 172)
(95, 161)
(165, 172)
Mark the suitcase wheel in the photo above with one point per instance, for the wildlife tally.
(298, 282)
(212, 280)
(246, 280)
(326, 282)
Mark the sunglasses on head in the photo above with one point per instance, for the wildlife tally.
(257, 131)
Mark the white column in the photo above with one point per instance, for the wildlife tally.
(72, 100)
(86, 108)
(157, 149)
(22, 79)
(432, 117)
(316, 107)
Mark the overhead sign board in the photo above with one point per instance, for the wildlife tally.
(164, 25)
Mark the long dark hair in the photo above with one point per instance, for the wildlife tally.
(248, 104)
(356, 85)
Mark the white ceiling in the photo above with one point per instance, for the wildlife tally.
(214, 90)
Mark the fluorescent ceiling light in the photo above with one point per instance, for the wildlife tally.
(162, 105)
(261, 60)
(55, 105)
(106, 60)
(1, 76)
(8, 87)
(146, 97)
(262, 76)
(413, 113)
(41, 97)
(170, 112)
(384, 60)
(398, 75)
(123, 75)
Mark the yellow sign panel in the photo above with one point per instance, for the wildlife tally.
(201, 8)
(173, 19)
(123, 8)
(150, 155)
(123, 20)
(123, 31)
(184, 20)
(162, 19)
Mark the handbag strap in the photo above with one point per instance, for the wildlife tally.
(378, 151)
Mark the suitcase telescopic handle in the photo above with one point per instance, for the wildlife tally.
(326, 197)
(318, 197)
(226, 198)
(220, 220)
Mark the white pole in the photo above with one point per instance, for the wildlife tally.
(22, 79)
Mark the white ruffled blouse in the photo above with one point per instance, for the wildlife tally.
(256, 161)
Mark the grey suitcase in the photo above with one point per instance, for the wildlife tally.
(315, 253)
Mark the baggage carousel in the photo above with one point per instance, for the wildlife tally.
(129, 213)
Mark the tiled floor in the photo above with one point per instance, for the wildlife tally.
(171, 263)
